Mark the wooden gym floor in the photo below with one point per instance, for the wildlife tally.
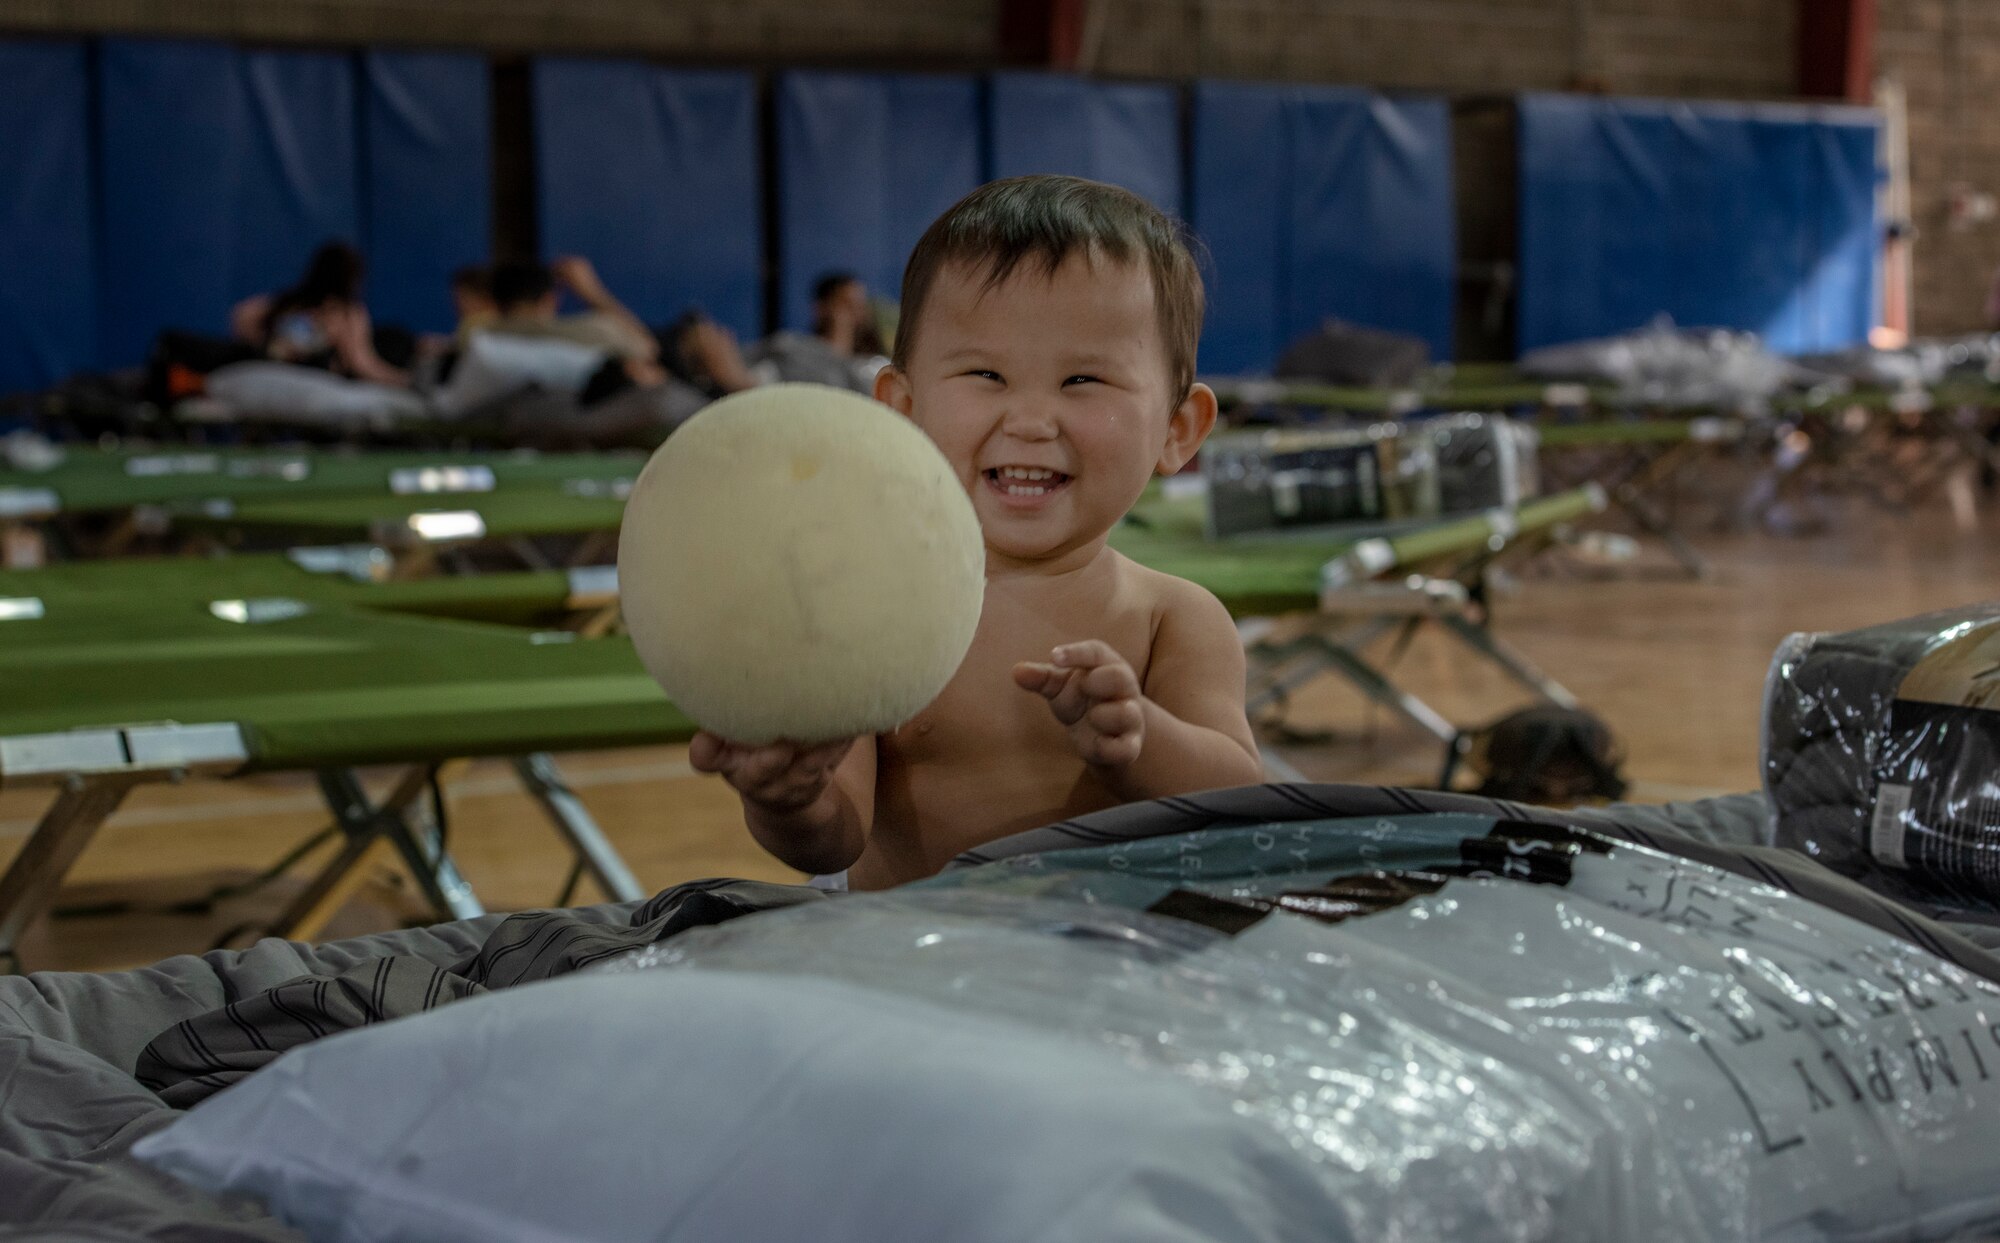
(1677, 668)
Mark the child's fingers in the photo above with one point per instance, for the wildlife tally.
(825, 756)
(1085, 654)
(1110, 681)
(1113, 751)
(1045, 680)
(1070, 703)
(1115, 718)
(763, 765)
(706, 752)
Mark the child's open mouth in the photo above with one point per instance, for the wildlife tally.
(1025, 482)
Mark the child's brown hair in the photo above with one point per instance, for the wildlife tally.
(1048, 218)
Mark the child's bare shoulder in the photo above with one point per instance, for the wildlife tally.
(1181, 610)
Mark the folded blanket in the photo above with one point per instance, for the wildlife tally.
(199, 1057)
(1881, 748)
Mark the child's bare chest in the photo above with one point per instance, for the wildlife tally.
(987, 758)
(982, 709)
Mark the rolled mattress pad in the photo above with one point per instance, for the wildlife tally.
(1882, 755)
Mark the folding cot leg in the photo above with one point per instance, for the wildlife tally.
(1269, 668)
(1630, 493)
(1385, 692)
(31, 880)
(414, 561)
(572, 819)
(315, 906)
(593, 548)
(429, 864)
(1487, 644)
(1270, 660)
(531, 556)
(599, 622)
(1650, 521)
(1277, 768)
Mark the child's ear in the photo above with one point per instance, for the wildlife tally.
(1187, 427)
(892, 389)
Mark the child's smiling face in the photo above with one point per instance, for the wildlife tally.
(1051, 394)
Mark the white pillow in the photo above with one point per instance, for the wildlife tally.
(495, 364)
(712, 1106)
(257, 391)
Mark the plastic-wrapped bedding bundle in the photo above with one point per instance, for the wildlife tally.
(1406, 1028)
(1484, 461)
(1633, 1046)
(1687, 367)
(1882, 755)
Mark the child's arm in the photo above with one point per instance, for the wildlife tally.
(1184, 730)
(809, 806)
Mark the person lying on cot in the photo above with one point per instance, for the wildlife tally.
(319, 322)
(1047, 346)
(843, 349)
(525, 301)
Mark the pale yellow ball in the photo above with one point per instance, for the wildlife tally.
(798, 562)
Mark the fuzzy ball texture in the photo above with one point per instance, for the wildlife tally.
(799, 562)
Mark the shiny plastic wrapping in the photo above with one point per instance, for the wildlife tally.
(1261, 480)
(1661, 364)
(1310, 477)
(1471, 1031)
(1882, 755)
(1484, 461)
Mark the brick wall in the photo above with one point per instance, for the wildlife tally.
(1741, 48)
(1946, 53)
(1690, 47)
(954, 32)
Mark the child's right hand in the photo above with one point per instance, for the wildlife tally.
(780, 777)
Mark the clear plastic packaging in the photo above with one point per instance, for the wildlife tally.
(1275, 478)
(1617, 1044)
(1484, 461)
(1665, 365)
(1307, 477)
(1920, 363)
(1882, 754)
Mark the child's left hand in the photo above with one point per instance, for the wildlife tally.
(1097, 697)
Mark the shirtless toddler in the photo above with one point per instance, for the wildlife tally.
(1047, 346)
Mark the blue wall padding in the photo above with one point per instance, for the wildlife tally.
(1841, 292)
(1242, 211)
(1758, 217)
(426, 179)
(865, 163)
(48, 260)
(653, 175)
(1317, 203)
(221, 171)
(1128, 134)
